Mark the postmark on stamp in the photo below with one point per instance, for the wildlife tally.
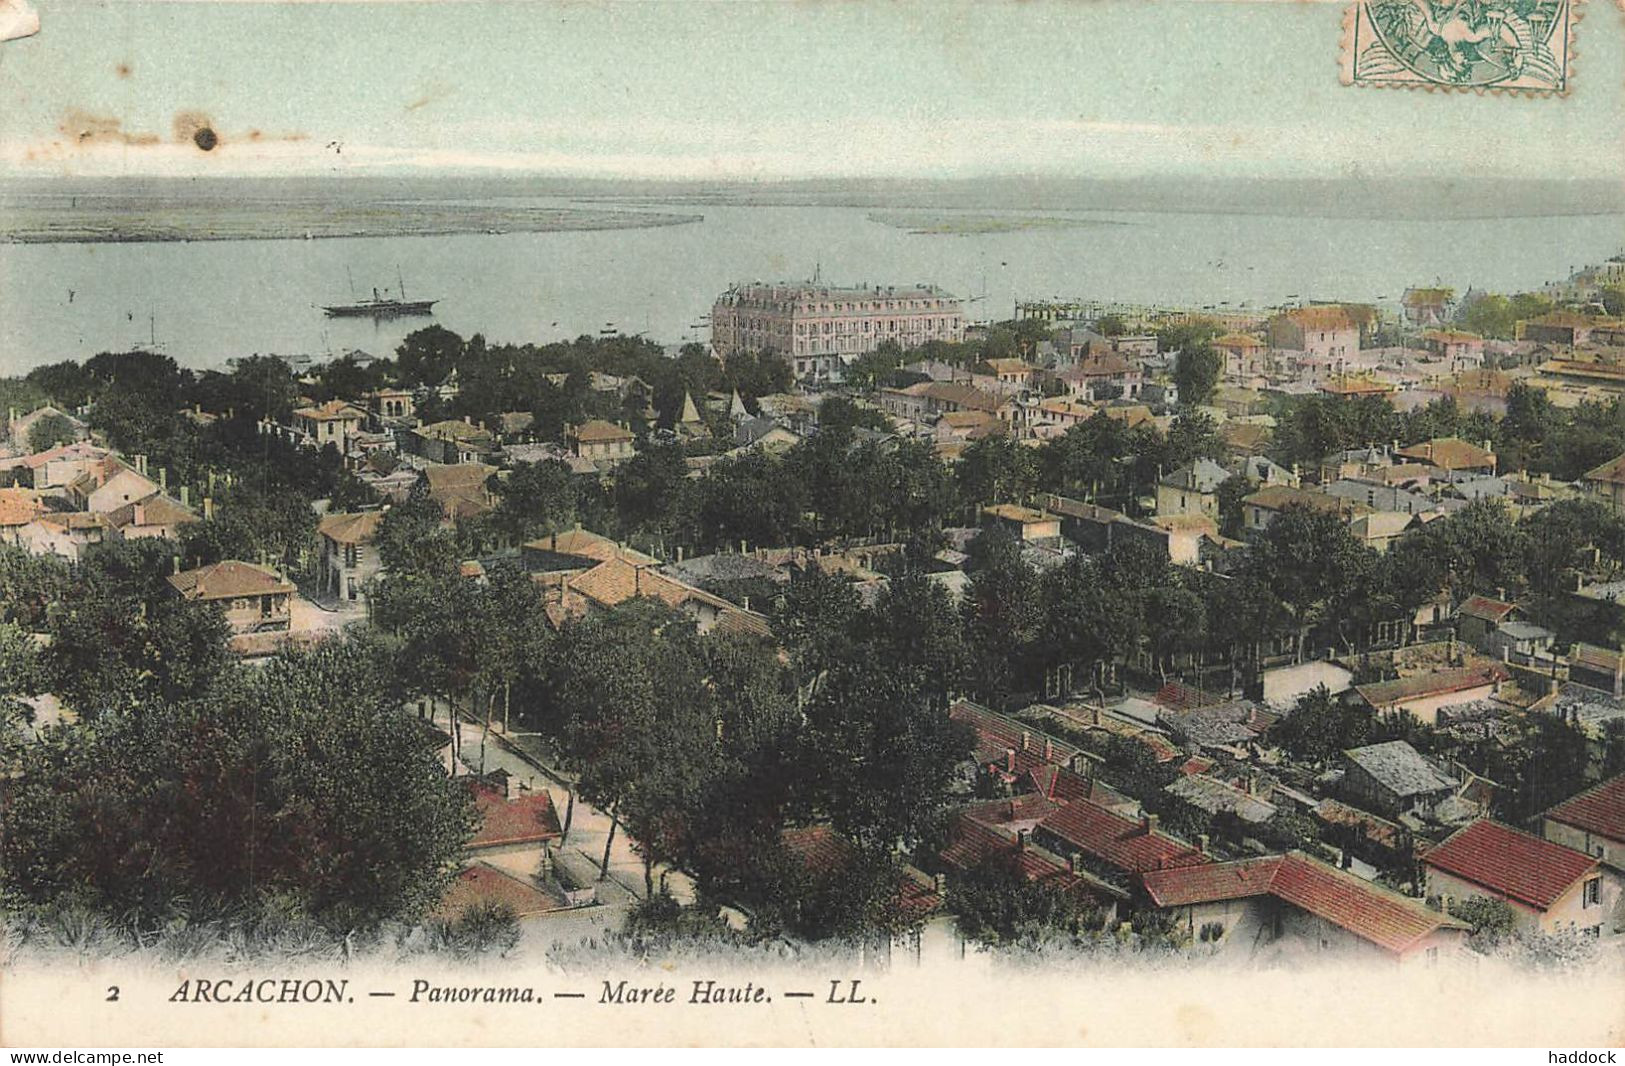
(1521, 46)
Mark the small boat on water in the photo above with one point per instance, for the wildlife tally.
(382, 305)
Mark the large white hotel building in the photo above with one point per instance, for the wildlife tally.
(819, 328)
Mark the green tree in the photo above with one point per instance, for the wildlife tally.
(50, 430)
(298, 783)
(535, 499)
(428, 356)
(1196, 373)
(879, 754)
(1320, 727)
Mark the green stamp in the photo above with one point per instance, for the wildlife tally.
(1521, 46)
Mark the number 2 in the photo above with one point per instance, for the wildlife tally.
(112, 993)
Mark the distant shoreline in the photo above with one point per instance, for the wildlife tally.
(181, 224)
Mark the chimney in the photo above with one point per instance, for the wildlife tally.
(1021, 839)
(175, 564)
(1026, 739)
(940, 883)
(1202, 842)
(1072, 863)
(679, 553)
(163, 479)
(186, 495)
(1148, 822)
(1049, 749)
(208, 508)
(1009, 760)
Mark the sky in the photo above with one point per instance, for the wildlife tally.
(735, 89)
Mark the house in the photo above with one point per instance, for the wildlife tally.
(1462, 350)
(1262, 507)
(461, 489)
(1380, 529)
(333, 422)
(65, 534)
(822, 857)
(1567, 328)
(255, 599)
(1521, 640)
(1000, 831)
(481, 884)
(1102, 376)
(1229, 726)
(1298, 901)
(1392, 779)
(452, 441)
(350, 556)
(18, 507)
(19, 426)
(1428, 307)
(1355, 386)
(1451, 454)
(55, 467)
(600, 441)
(1328, 332)
(1111, 846)
(1243, 354)
(1423, 694)
(1592, 822)
(1479, 616)
(154, 516)
(393, 404)
(1016, 372)
(1214, 796)
(1023, 523)
(109, 484)
(1192, 489)
(1550, 887)
(1607, 482)
(1060, 411)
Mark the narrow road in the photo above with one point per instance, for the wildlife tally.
(530, 765)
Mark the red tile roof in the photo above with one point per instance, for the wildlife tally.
(826, 854)
(1377, 915)
(1118, 841)
(1384, 694)
(1449, 453)
(823, 852)
(997, 733)
(484, 883)
(1511, 863)
(1486, 609)
(228, 580)
(360, 527)
(529, 819)
(1180, 697)
(1599, 810)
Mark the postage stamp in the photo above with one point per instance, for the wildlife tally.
(1521, 46)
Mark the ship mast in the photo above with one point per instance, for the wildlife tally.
(401, 282)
